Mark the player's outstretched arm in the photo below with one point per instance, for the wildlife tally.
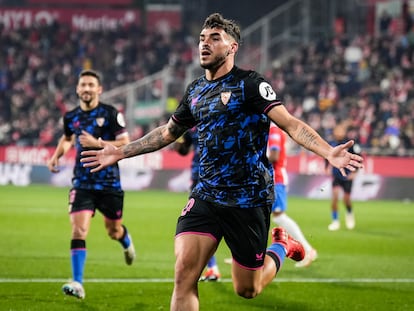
(154, 140)
(307, 137)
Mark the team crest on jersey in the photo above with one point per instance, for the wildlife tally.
(225, 97)
(100, 121)
(266, 91)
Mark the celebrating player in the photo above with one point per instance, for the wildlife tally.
(231, 109)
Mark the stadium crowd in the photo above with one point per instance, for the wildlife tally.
(364, 82)
(39, 68)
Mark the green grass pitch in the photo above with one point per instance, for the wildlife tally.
(369, 268)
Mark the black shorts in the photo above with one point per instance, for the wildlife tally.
(109, 203)
(345, 184)
(245, 230)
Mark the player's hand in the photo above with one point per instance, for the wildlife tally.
(89, 141)
(342, 159)
(99, 159)
(52, 165)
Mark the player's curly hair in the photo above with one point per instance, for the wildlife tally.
(216, 20)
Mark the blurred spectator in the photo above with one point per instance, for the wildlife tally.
(384, 22)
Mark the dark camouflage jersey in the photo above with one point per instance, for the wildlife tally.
(230, 115)
(106, 122)
(191, 139)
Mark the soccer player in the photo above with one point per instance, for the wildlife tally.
(183, 145)
(87, 127)
(232, 200)
(277, 156)
(341, 183)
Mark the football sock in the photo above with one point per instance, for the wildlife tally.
(278, 253)
(334, 215)
(78, 258)
(125, 241)
(293, 229)
(212, 262)
(349, 209)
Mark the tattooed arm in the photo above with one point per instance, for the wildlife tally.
(307, 137)
(299, 131)
(154, 140)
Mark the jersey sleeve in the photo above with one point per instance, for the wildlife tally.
(260, 93)
(117, 122)
(183, 114)
(66, 128)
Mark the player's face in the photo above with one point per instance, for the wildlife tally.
(88, 90)
(214, 47)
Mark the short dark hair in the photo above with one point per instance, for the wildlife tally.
(216, 20)
(92, 73)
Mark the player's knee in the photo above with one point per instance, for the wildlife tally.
(185, 281)
(115, 233)
(247, 292)
(79, 233)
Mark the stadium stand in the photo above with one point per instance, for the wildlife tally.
(39, 66)
(364, 81)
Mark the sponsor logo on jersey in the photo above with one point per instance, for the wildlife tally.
(266, 91)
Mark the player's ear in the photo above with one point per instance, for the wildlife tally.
(77, 91)
(234, 47)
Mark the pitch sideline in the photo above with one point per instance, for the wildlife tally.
(169, 280)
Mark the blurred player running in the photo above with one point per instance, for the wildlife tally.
(87, 127)
(342, 184)
(277, 156)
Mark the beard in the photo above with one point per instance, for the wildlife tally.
(86, 98)
(215, 63)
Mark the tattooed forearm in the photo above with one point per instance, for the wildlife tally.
(150, 142)
(308, 139)
(154, 140)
